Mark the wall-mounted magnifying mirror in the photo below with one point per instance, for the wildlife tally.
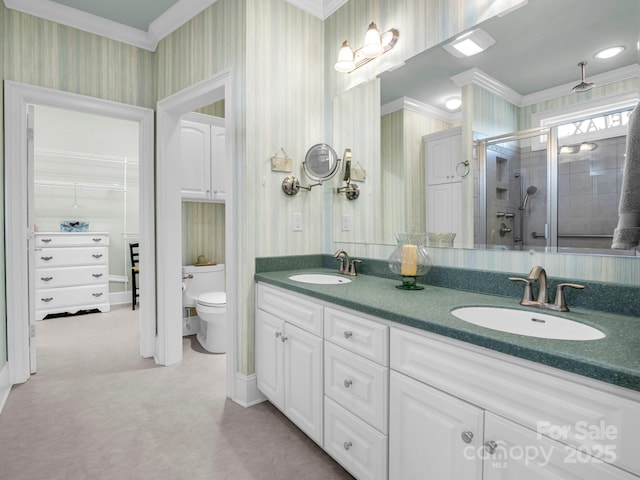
(320, 164)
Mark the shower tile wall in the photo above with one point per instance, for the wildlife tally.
(533, 169)
(589, 187)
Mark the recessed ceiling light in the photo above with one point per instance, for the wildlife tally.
(609, 52)
(470, 43)
(453, 103)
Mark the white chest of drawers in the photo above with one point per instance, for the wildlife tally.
(71, 272)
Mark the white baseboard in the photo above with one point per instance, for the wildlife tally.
(119, 298)
(246, 390)
(5, 385)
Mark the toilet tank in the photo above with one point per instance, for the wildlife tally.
(198, 280)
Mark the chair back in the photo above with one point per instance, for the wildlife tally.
(133, 250)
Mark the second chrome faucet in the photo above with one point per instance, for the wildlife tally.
(538, 274)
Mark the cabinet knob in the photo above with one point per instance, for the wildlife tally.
(96, 255)
(47, 300)
(278, 334)
(348, 334)
(46, 279)
(284, 339)
(467, 436)
(347, 445)
(348, 383)
(46, 259)
(490, 447)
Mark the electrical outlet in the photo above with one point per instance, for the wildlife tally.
(297, 222)
(346, 223)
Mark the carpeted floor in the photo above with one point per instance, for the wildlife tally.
(96, 410)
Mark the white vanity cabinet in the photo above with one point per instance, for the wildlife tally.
(356, 386)
(289, 357)
(71, 272)
(443, 182)
(447, 388)
(203, 163)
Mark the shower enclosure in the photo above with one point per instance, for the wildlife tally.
(549, 189)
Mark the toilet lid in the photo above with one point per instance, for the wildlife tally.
(213, 299)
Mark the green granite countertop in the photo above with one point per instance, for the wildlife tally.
(614, 359)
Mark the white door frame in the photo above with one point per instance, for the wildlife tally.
(169, 218)
(16, 98)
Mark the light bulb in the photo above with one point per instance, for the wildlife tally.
(345, 61)
(372, 45)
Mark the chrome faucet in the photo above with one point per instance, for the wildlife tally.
(538, 274)
(347, 266)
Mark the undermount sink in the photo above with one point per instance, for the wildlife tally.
(319, 279)
(530, 324)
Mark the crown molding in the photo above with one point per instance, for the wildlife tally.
(318, 8)
(478, 77)
(407, 103)
(168, 22)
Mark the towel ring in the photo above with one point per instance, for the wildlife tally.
(463, 168)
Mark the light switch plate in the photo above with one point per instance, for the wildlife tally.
(297, 222)
(346, 223)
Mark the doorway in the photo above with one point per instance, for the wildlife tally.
(20, 229)
(170, 110)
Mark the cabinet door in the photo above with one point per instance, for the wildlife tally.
(303, 380)
(269, 357)
(442, 157)
(522, 454)
(219, 164)
(432, 434)
(195, 160)
(444, 207)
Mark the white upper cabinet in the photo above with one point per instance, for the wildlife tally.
(203, 162)
(443, 154)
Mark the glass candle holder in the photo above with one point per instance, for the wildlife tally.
(410, 259)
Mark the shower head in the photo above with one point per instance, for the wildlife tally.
(531, 190)
(583, 86)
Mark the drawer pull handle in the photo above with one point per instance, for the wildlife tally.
(490, 447)
(97, 294)
(96, 275)
(46, 300)
(348, 334)
(46, 240)
(467, 436)
(97, 239)
(348, 383)
(46, 279)
(46, 259)
(347, 445)
(96, 255)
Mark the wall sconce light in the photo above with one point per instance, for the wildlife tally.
(375, 44)
(350, 190)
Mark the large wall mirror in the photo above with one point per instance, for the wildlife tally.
(523, 79)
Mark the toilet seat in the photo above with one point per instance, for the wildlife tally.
(213, 299)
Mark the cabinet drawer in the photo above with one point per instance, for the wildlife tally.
(538, 400)
(291, 308)
(70, 276)
(362, 336)
(55, 239)
(59, 257)
(357, 384)
(358, 447)
(76, 297)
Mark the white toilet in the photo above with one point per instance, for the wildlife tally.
(204, 289)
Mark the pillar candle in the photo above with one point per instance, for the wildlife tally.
(409, 265)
